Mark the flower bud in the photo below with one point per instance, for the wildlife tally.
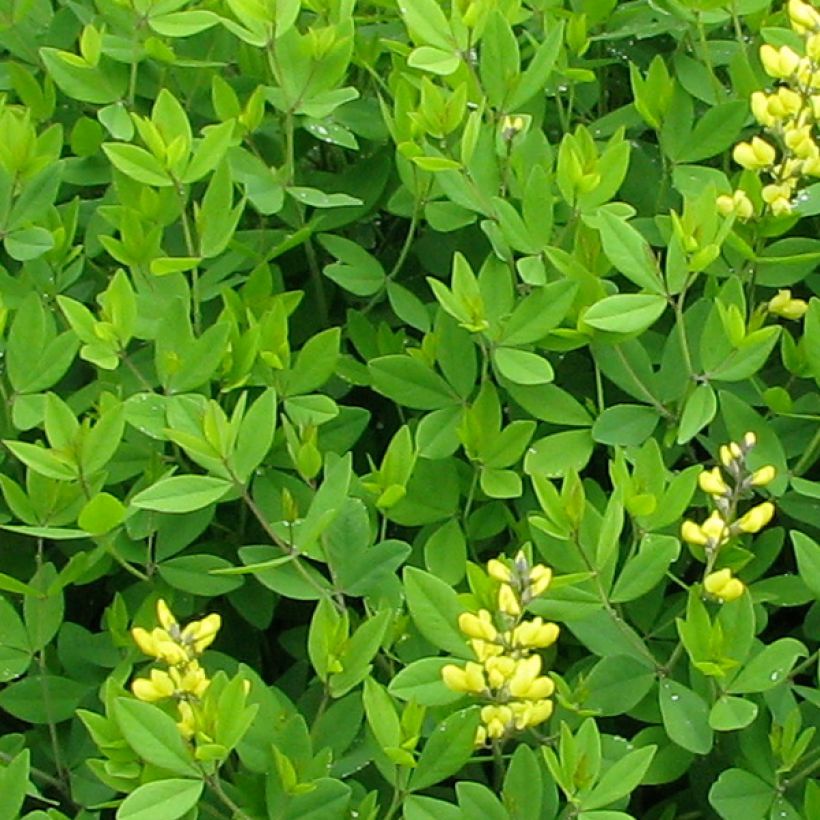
(749, 440)
(756, 518)
(711, 481)
(763, 476)
(164, 615)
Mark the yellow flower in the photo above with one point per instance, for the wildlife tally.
(192, 680)
(165, 617)
(540, 578)
(485, 649)
(478, 626)
(722, 585)
(188, 724)
(157, 687)
(778, 198)
(693, 534)
(508, 602)
(783, 305)
(526, 681)
(512, 125)
(711, 481)
(496, 719)
(756, 518)
(780, 62)
(754, 155)
(762, 109)
(535, 634)
(715, 529)
(200, 634)
(763, 476)
(530, 713)
(499, 670)
(499, 571)
(738, 203)
(800, 140)
(467, 679)
(803, 16)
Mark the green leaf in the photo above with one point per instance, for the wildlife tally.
(620, 779)
(625, 424)
(769, 667)
(193, 573)
(427, 23)
(435, 609)
(14, 779)
(553, 456)
(644, 571)
(154, 736)
(137, 163)
(43, 699)
(319, 199)
(698, 411)
(618, 683)
(105, 83)
(181, 494)
(522, 366)
(738, 793)
(626, 312)
(169, 799)
(730, 713)
(449, 747)
(357, 270)
(420, 681)
(629, 252)
(15, 654)
(25, 244)
(807, 553)
(717, 130)
(686, 717)
(101, 514)
(411, 383)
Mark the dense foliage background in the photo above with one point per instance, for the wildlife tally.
(310, 308)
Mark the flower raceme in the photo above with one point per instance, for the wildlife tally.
(789, 114)
(178, 648)
(507, 672)
(723, 523)
(726, 485)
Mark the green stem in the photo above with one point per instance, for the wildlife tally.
(191, 248)
(662, 409)
(809, 456)
(216, 786)
(707, 60)
(499, 767)
(613, 613)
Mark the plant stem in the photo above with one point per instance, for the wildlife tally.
(216, 785)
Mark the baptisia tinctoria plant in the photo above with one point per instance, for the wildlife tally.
(727, 485)
(506, 675)
(310, 310)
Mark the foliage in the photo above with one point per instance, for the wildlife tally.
(312, 311)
